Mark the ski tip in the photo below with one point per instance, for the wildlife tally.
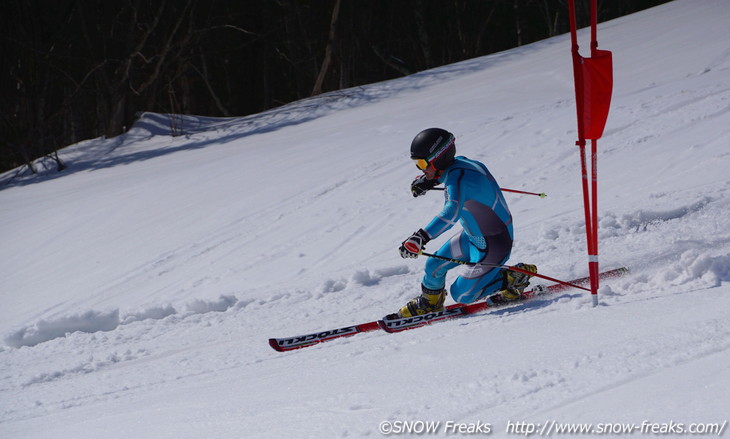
(616, 272)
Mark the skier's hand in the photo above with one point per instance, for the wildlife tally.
(421, 185)
(414, 245)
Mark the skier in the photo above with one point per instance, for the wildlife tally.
(473, 198)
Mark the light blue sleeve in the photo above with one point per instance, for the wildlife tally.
(453, 205)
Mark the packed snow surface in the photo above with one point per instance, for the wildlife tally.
(139, 287)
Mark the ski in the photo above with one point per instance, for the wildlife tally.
(306, 340)
(398, 325)
(493, 301)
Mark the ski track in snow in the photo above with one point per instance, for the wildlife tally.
(141, 286)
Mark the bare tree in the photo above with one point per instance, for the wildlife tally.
(328, 50)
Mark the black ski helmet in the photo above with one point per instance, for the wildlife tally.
(435, 145)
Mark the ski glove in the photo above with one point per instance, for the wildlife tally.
(421, 185)
(413, 246)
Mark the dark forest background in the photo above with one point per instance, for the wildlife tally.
(79, 69)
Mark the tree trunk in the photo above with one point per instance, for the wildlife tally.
(423, 39)
(328, 50)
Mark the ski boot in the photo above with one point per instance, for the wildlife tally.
(429, 301)
(515, 282)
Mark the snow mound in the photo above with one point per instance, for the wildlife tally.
(103, 321)
(49, 329)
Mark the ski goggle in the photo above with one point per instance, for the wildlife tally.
(421, 164)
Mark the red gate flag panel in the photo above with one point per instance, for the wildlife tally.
(597, 88)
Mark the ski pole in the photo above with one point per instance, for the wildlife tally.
(541, 194)
(508, 267)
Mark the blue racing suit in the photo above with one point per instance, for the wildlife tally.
(474, 199)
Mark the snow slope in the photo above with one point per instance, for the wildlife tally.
(140, 286)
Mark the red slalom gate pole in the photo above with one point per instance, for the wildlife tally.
(593, 86)
(590, 201)
(593, 268)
